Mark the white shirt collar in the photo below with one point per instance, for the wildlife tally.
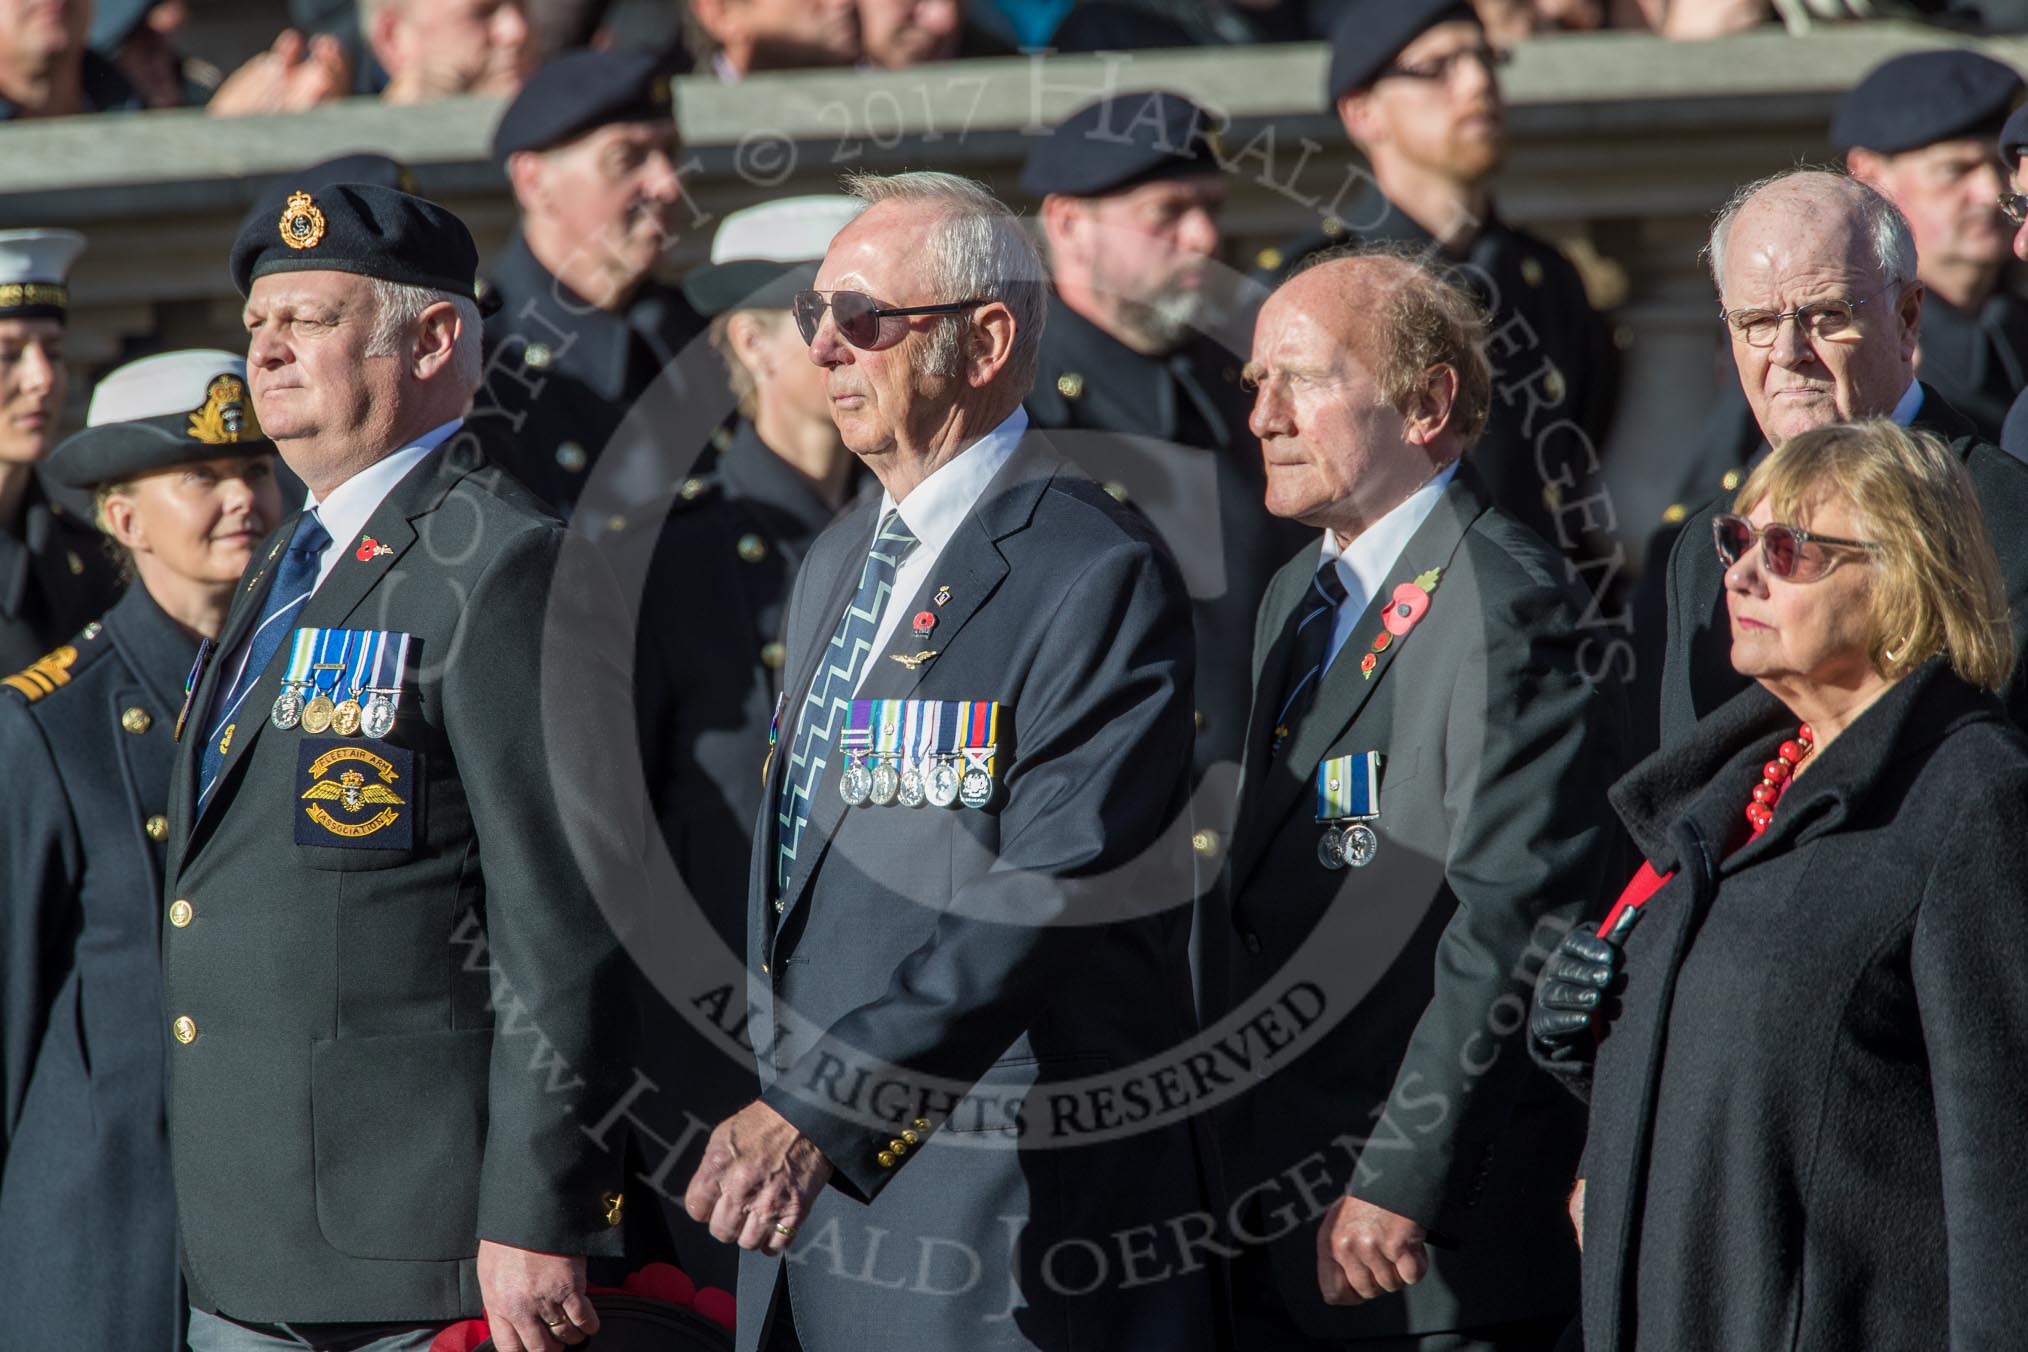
(1364, 564)
(939, 504)
(352, 504)
(1911, 404)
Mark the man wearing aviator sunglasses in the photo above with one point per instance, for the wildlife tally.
(1415, 84)
(1815, 273)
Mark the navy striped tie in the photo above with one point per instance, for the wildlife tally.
(1310, 653)
(294, 581)
(823, 711)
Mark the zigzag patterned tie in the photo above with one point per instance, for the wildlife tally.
(1310, 653)
(823, 710)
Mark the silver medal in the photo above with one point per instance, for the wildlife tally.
(1359, 844)
(912, 792)
(1330, 850)
(942, 788)
(377, 720)
(855, 783)
(886, 784)
(975, 789)
(288, 710)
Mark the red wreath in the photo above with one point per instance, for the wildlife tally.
(656, 1281)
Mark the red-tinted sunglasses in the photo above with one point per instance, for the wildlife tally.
(1781, 546)
(858, 316)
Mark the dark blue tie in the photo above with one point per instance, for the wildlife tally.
(294, 581)
(823, 710)
(1310, 652)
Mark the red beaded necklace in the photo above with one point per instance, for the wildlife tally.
(1775, 777)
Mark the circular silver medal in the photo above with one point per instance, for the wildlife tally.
(975, 789)
(886, 784)
(855, 783)
(1359, 844)
(378, 718)
(942, 786)
(288, 710)
(1330, 849)
(912, 792)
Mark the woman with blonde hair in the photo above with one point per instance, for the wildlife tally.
(1806, 1104)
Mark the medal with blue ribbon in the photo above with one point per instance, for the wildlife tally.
(327, 673)
(1348, 797)
(383, 683)
(916, 751)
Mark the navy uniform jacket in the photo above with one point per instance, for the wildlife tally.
(561, 373)
(1977, 362)
(1168, 435)
(1416, 1093)
(1697, 674)
(390, 1029)
(54, 576)
(998, 952)
(87, 1214)
(709, 669)
(1555, 369)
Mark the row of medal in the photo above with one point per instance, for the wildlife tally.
(325, 663)
(917, 751)
(1348, 797)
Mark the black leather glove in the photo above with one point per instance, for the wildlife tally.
(1572, 988)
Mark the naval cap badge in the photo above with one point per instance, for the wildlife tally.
(302, 224)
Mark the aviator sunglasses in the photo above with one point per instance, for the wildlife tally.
(1781, 546)
(858, 316)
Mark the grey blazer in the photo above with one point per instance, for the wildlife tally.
(948, 972)
(1414, 1091)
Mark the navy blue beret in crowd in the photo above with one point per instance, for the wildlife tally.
(582, 91)
(1121, 141)
(1371, 33)
(359, 228)
(1920, 98)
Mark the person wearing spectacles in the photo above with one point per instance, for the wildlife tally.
(1821, 302)
(1416, 86)
(993, 898)
(1801, 1021)
(1934, 158)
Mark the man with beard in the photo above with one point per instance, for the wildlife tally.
(1131, 194)
(1415, 84)
(738, 38)
(582, 327)
(53, 575)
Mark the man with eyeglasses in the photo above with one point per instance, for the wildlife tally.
(969, 886)
(1415, 84)
(1818, 292)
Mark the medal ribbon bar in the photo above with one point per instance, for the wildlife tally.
(1348, 787)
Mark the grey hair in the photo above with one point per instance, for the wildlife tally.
(980, 252)
(1882, 221)
(397, 306)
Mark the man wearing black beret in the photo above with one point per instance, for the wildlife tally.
(393, 999)
(1416, 86)
(1135, 357)
(184, 488)
(583, 327)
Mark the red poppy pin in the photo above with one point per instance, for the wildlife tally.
(1404, 611)
(370, 548)
(925, 620)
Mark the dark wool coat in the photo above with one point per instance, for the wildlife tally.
(1807, 1114)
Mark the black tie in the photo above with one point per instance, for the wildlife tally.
(1309, 650)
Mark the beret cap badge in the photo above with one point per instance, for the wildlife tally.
(302, 224)
(226, 418)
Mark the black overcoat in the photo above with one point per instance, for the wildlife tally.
(1807, 1113)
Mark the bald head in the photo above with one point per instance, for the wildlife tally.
(1371, 376)
(1839, 252)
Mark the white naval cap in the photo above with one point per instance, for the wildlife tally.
(762, 254)
(35, 272)
(154, 387)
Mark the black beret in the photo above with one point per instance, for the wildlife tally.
(362, 167)
(357, 227)
(157, 412)
(580, 91)
(1920, 98)
(1120, 141)
(1371, 33)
